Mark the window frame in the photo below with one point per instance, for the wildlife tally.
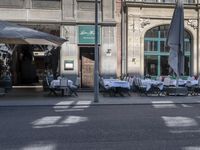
(160, 53)
(47, 8)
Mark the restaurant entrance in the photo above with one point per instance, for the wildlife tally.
(31, 62)
(28, 66)
(87, 66)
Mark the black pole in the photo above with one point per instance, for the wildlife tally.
(96, 67)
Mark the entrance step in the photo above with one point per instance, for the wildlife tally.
(85, 90)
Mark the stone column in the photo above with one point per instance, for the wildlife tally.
(198, 45)
(134, 45)
(27, 4)
(69, 50)
(108, 52)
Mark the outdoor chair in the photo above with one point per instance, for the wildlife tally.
(101, 84)
(167, 81)
(63, 85)
(52, 90)
(121, 91)
(196, 88)
(6, 82)
(149, 89)
(6, 85)
(74, 87)
(155, 90)
(140, 88)
(105, 90)
(2, 91)
(167, 84)
(190, 88)
(132, 83)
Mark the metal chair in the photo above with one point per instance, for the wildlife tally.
(74, 87)
(196, 88)
(50, 88)
(63, 85)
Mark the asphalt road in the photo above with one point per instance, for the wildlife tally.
(114, 127)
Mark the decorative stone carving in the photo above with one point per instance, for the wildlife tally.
(66, 32)
(193, 23)
(132, 27)
(144, 22)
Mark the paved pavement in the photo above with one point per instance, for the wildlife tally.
(37, 97)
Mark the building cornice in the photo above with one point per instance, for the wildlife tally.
(112, 23)
(68, 22)
(158, 5)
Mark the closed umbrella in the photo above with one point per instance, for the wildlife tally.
(175, 40)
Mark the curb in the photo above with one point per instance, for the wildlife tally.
(93, 104)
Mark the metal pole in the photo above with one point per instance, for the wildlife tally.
(96, 67)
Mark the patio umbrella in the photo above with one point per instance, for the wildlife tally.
(11, 33)
(175, 40)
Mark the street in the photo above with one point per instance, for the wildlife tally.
(155, 126)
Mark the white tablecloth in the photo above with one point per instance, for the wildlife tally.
(180, 82)
(55, 83)
(148, 83)
(183, 82)
(194, 82)
(109, 83)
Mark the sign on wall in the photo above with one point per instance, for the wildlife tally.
(87, 34)
(68, 64)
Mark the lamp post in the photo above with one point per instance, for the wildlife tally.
(96, 67)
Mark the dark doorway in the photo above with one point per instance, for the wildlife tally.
(23, 67)
(31, 63)
(40, 64)
(87, 66)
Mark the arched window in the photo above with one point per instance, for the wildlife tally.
(156, 53)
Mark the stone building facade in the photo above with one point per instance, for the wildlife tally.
(74, 20)
(145, 25)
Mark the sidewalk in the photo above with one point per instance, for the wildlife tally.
(36, 97)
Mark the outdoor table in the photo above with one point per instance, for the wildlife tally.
(57, 84)
(116, 86)
(114, 83)
(183, 82)
(180, 82)
(177, 91)
(193, 82)
(148, 83)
